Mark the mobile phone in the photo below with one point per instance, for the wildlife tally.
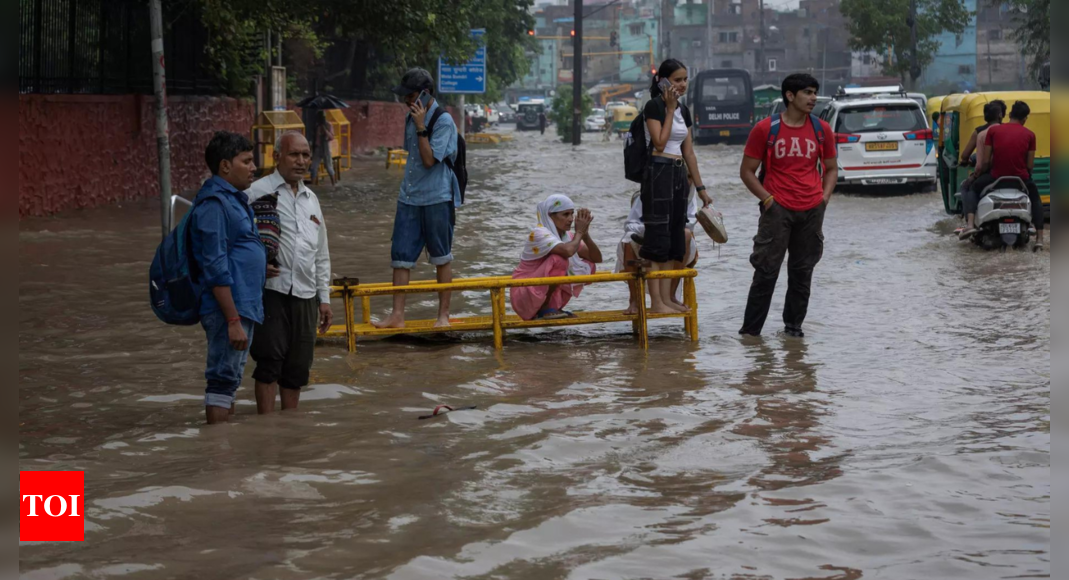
(664, 85)
(424, 98)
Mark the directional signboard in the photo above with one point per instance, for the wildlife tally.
(468, 78)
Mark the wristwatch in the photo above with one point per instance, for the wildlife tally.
(700, 189)
(423, 133)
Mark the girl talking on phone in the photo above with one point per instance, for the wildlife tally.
(665, 192)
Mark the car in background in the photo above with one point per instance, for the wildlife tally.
(883, 140)
(595, 121)
(614, 104)
(506, 113)
(492, 116)
(527, 113)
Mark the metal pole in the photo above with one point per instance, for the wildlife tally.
(463, 118)
(824, 67)
(914, 68)
(709, 35)
(278, 58)
(761, 58)
(159, 85)
(577, 76)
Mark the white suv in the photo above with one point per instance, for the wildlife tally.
(882, 140)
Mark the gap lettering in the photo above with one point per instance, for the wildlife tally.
(781, 151)
(51, 506)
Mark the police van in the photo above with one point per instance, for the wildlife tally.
(722, 103)
(883, 139)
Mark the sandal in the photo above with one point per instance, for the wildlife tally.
(1038, 247)
(554, 314)
(967, 233)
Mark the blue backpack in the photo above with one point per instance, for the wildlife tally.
(173, 288)
(773, 134)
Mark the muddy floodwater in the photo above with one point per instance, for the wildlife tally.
(906, 437)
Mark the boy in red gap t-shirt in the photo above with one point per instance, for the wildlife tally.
(1010, 151)
(794, 196)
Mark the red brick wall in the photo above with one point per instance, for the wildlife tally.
(79, 151)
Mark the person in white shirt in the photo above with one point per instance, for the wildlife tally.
(297, 293)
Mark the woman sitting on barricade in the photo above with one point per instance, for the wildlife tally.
(628, 249)
(552, 250)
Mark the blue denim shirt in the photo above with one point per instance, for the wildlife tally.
(228, 250)
(423, 186)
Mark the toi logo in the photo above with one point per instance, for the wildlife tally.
(52, 506)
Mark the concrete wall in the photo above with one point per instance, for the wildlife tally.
(81, 151)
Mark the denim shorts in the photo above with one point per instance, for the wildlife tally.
(226, 366)
(422, 226)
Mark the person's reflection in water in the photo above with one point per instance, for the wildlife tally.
(787, 423)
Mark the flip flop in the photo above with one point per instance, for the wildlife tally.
(553, 314)
(967, 233)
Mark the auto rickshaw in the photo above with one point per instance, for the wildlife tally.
(935, 111)
(622, 117)
(971, 117)
(949, 152)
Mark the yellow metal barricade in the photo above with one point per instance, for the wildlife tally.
(499, 321)
(268, 127)
(398, 157)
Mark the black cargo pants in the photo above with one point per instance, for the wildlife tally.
(781, 232)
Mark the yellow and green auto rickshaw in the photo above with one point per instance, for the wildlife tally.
(935, 111)
(622, 117)
(949, 151)
(970, 116)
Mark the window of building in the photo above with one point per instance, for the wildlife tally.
(637, 29)
(729, 37)
(772, 65)
(805, 32)
(965, 69)
(995, 35)
(727, 64)
(735, 9)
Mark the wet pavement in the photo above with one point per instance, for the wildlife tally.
(906, 437)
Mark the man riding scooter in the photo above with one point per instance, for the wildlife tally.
(1009, 151)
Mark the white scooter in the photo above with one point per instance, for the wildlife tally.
(1004, 217)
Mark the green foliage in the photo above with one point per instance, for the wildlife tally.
(1033, 30)
(561, 111)
(404, 34)
(883, 25)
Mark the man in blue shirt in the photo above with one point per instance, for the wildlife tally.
(230, 263)
(430, 194)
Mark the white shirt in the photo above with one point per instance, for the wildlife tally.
(303, 257)
(674, 146)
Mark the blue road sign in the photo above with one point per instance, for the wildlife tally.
(468, 78)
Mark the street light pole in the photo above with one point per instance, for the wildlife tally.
(159, 85)
(577, 75)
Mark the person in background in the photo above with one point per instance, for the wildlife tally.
(542, 121)
(297, 295)
(1010, 151)
(673, 168)
(629, 248)
(430, 194)
(551, 250)
(970, 147)
(799, 176)
(324, 135)
(232, 265)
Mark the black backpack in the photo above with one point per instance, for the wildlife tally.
(636, 152)
(460, 166)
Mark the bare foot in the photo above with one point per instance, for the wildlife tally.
(394, 321)
(679, 307)
(662, 309)
(442, 322)
(632, 309)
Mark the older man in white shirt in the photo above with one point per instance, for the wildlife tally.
(297, 293)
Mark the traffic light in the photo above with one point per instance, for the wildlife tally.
(653, 71)
(573, 32)
(612, 39)
(530, 32)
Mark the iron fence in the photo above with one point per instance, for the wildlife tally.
(103, 47)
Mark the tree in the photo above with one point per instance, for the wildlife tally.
(884, 26)
(561, 111)
(1033, 30)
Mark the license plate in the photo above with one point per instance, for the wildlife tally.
(1014, 228)
(885, 181)
(725, 133)
(889, 146)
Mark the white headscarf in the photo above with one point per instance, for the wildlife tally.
(544, 237)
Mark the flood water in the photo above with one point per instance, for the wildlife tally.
(906, 437)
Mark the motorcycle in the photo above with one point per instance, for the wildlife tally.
(1004, 217)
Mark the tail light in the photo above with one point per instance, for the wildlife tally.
(925, 135)
(843, 138)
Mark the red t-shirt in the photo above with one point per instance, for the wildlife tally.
(1010, 144)
(793, 177)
